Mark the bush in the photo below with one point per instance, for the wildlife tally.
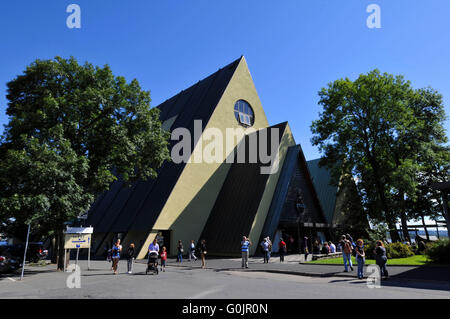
(398, 250)
(369, 247)
(439, 252)
(394, 250)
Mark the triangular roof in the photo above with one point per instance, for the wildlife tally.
(295, 176)
(326, 191)
(137, 207)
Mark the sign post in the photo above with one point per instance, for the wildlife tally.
(25, 253)
(79, 237)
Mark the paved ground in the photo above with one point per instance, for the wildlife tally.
(222, 280)
(292, 266)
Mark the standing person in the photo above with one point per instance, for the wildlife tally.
(163, 258)
(282, 249)
(116, 250)
(203, 253)
(332, 247)
(360, 258)
(245, 243)
(346, 252)
(130, 258)
(192, 251)
(305, 247)
(265, 247)
(381, 258)
(180, 252)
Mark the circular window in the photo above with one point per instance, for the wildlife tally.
(244, 113)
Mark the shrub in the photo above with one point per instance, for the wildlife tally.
(398, 250)
(439, 252)
(368, 249)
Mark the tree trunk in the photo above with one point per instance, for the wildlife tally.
(425, 227)
(391, 221)
(446, 212)
(405, 227)
(60, 249)
(54, 251)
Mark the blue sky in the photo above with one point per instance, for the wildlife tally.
(293, 47)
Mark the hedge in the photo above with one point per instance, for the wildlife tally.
(439, 251)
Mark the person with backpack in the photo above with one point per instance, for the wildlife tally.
(346, 252)
(282, 248)
(245, 244)
(265, 248)
(360, 258)
(381, 258)
(130, 258)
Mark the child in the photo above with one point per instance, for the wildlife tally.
(360, 258)
(163, 258)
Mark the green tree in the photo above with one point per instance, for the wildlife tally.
(73, 129)
(379, 128)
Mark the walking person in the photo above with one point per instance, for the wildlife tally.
(130, 258)
(265, 248)
(381, 258)
(192, 251)
(154, 246)
(360, 258)
(163, 258)
(180, 252)
(270, 246)
(282, 249)
(116, 250)
(203, 253)
(346, 252)
(245, 243)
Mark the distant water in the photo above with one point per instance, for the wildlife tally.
(421, 233)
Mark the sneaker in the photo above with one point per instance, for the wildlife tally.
(351, 268)
(345, 270)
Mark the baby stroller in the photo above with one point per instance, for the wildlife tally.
(152, 264)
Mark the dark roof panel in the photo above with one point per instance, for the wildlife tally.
(137, 208)
(326, 192)
(237, 203)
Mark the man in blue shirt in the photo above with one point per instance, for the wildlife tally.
(154, 246)
(245, 243)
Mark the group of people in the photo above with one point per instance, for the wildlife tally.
(347, 245)
(266, 246)
(349, 249)
(114, 254)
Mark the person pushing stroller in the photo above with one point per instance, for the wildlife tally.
(153, 252)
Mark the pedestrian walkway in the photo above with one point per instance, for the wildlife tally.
(293, 267)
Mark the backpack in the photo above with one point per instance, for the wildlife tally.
(348, 247)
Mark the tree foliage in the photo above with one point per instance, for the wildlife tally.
(73, 129)
(383, 132)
